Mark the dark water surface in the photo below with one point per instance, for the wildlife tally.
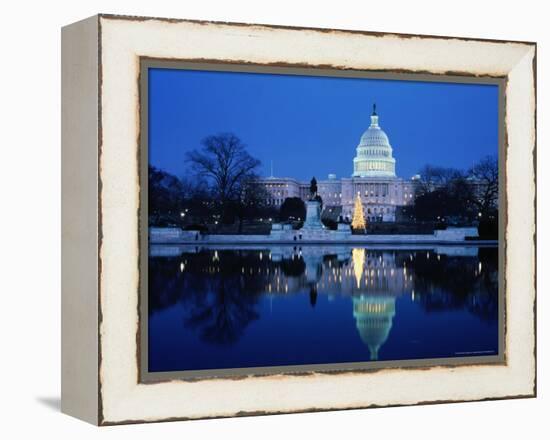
(274, 306)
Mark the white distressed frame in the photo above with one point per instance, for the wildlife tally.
(122, 41)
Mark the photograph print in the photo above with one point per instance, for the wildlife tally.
(315, 220)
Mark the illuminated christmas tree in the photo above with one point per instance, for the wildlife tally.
(358, 221)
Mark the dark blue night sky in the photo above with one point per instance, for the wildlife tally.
(310, 126)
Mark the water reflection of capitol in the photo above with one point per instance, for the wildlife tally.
(373, 279)
(445, 278)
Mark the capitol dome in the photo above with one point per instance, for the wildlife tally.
(374, 152)
(374, 137)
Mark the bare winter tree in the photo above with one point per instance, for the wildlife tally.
(229, 170)
(484, 176)
(225, 163)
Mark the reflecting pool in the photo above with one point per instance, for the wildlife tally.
(219, 308)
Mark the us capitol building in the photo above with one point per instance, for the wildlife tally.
(373, 180)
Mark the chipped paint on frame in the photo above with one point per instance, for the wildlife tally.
(498, 74)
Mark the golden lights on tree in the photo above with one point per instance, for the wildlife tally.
(358, 220)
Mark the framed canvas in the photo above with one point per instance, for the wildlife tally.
(264, 219)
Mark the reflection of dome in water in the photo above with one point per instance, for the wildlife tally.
(374, 319)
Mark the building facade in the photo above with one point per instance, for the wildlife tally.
(373, 180)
